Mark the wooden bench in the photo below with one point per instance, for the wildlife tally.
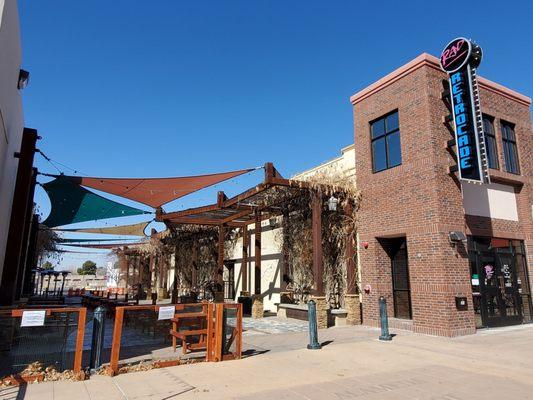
(196, 322)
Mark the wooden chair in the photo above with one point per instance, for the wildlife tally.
(196, 324)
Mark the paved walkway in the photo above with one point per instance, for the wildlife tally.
(493, 364)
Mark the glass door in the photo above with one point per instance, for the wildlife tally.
(500, 300)
(511, 302)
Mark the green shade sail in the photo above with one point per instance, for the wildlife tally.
(72, 203)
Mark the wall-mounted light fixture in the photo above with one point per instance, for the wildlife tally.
(332, 203)
(272, 221)
(24, 79)
(457, 236)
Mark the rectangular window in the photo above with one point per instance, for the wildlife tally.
(386, 146)
(490, 142)
(510, 152)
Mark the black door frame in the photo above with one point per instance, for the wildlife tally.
(494, 256)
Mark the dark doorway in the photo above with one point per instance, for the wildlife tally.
(499, 282)
(396, 249)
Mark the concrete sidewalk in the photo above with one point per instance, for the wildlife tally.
(494, 364)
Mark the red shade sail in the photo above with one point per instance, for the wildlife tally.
(155, 192)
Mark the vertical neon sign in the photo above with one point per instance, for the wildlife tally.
(460, 59)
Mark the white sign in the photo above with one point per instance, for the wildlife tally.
(166, 312)
(33, 318)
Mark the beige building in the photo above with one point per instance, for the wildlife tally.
(11, 117)
(271, 240)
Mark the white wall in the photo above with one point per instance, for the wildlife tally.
(493, 201)
(271, 265)
(11, 118)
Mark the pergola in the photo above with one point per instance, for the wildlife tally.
(254, 206)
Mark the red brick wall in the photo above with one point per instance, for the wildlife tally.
(421, 201)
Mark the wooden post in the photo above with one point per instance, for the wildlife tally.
(351, 277)
(257, 269)
(238, 348)
(23, 270)
(220, 261)
(16, 240)
(115, 346)
(79, 339)
(318, 264)
(244, 262)
(286, 274)
(194, 270)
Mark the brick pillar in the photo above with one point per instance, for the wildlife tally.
(353, 307)
(322, 308)
(257, 306)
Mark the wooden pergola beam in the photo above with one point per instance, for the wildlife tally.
(257, 266)
(244, 262)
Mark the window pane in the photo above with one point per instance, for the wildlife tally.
(378, 128)
(379, 156)
(391, 122)
(488, 126)
(514, 158)
(492, 152)
(504, 131)
(511, 157)
(394, 149)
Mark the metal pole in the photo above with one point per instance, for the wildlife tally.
(97, 343)
(313, 327)
(385, 335)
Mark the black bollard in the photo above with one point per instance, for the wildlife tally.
(313, 328)
(97, 343)
(384, 319)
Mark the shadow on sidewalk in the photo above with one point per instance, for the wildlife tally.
(253, 352)
(13, 392)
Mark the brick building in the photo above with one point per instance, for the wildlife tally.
(412, 202)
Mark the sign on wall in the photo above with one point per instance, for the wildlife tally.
(459, 59)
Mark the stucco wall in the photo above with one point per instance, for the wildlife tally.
(493, 201)
(11, 118)
(271, 265)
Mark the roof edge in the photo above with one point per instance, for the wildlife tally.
(426, 59)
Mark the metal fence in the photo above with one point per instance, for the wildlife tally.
(58, 342)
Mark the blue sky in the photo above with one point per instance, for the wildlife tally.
(167, 88)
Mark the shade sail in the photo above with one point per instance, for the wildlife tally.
(69, 240)
(155, 192)
(71, 203)
(124, 230)
(105, 246)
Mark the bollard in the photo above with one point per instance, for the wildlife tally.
(313, 328)
(97, 343)
(384, 319)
